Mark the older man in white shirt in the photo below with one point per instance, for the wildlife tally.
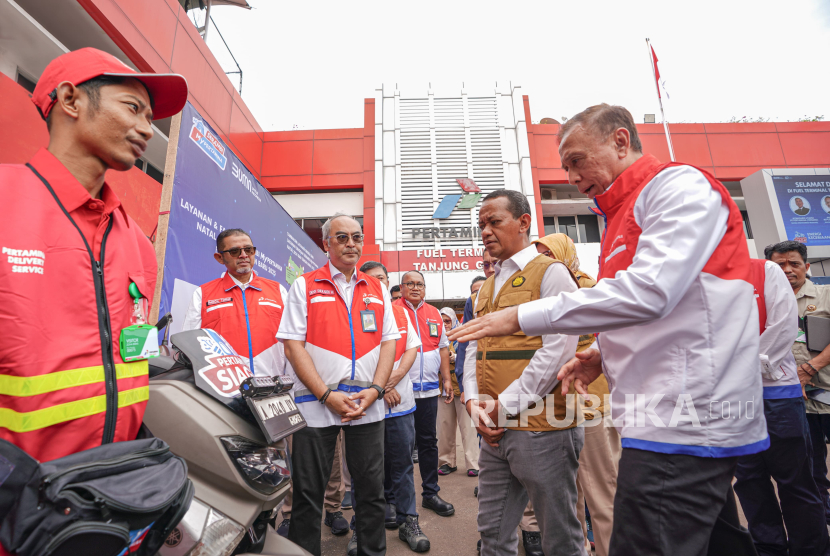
(532, 447)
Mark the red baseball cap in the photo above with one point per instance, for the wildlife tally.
(168, 91)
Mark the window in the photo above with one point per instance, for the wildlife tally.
(314, 227)
(747, 227)
(25, 82)
(583, 228)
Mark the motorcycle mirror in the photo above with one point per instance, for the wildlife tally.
(164, 321)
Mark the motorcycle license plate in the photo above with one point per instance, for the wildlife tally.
(277, 415)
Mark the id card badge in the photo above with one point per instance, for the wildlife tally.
(801, 337)
(367, 320)
(433, 329)
(139, 341)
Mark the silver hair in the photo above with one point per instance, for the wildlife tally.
(327, 225)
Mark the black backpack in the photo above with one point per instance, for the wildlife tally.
(119, 498)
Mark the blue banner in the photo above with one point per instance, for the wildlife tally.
(804, 202)
(213, 191)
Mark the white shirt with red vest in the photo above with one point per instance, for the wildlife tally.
(426, 370)
(249, 321)
(409, 339)
(778, 318)
(329, 314)
(675, 308)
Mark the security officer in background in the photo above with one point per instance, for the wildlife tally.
(241, 306)
(70, 255)
(813, 366)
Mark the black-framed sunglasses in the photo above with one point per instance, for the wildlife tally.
(236, 251)
(343, 238)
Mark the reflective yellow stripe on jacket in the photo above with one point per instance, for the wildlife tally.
(60, 380)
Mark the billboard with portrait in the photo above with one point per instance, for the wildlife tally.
(213, 191)
(804, 202)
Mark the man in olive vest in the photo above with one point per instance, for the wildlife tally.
(532, 443)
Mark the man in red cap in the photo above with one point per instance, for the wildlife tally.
(70, 257)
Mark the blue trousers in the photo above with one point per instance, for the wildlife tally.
(789, 462)
(426, 415)
(399, 479)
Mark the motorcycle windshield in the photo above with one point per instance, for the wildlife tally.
(217, 369)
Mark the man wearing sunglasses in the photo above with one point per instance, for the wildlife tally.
(339, 333)
(241, 306)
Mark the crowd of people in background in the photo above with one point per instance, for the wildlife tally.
(387, 381)
(673, 349)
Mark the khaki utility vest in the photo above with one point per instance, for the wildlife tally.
(502, 359)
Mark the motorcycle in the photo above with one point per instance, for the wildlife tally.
(234, 444)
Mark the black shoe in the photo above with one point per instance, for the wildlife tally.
(478, 545)
(346, 504)
(410, 532)
(415, 455)
(439, 506)
(282, 530)
(339, 525)
(475, 492)
(532, 541)
(391, 520)
(351, 548)
(446, 469)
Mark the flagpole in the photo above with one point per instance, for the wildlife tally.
(660, 100)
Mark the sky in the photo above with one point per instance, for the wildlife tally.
(309, 65)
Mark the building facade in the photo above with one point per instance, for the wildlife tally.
(393, 172)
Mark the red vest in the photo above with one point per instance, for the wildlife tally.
(252, 319)
(328, 317)
(426, 317)
(757, 276)
(63, 385)
(403, 329)
(622, 233)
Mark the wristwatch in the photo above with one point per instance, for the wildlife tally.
(381, 391)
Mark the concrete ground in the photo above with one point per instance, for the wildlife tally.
(449, 536)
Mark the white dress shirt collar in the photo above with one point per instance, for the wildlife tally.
(519, 260)
(516, 263)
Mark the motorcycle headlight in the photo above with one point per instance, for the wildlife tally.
(265, 468)
(203, 531)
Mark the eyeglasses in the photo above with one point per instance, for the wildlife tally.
(414, 285)
(343, 239)
(236, 251)
(488, 265)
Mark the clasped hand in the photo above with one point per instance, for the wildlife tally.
(351, 408)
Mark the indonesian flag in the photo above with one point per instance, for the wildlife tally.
(657, 74)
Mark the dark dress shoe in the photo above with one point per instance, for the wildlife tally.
(532, 541)
(347, 501)
(391, 519)
(439, 506)
(339, 525)
(282, 530)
